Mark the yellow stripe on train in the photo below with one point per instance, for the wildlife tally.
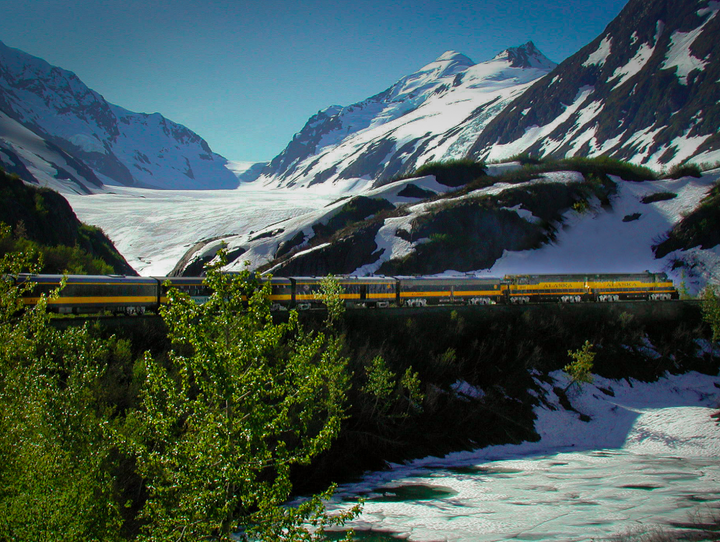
(63, 300)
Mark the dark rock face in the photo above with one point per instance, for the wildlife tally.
(638, 91)
(306, 141)
(525, 56)
(341, 257)
(414, 191)
(464, 238)
(453, 233)
(357, 209)
(699, 228)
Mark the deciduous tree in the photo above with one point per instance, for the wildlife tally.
(239, 402)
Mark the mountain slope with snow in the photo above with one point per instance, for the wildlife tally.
(526, 222)
(69, 137)
(645, 90)
(432, 114)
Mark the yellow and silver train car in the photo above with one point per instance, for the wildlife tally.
(136, 295)
(368, 292)
(92, 293)
(577, 288)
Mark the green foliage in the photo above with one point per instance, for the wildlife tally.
(598, 167)
(581, 206)
(57, 259)
(55, 481)
(580, 369)
(43, 221)
(239, 403)
(707, 166)
(452, 173)
(604, 165)
(40, 207)
(526, 159)
(203, 451)
(684, 170)
(448, 357)
(330, 293)
(711, 310)
(440, 238)
(389, 396)
(411, 387)
(380, 382)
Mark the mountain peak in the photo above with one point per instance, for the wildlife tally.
(454, 56)
(525, 56)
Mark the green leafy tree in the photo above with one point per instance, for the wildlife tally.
(711, 310)
(380, 383)
(580, 369)
(330, 293)
(239, 402)
(411, 388)
(55, 480)
(389, 396)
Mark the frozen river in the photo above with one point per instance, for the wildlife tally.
(649, 458)
(565, 496)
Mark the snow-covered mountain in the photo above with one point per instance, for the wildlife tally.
(58, 132)
(433, 114)
(645, 90)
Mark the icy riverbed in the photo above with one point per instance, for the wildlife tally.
(650, 456)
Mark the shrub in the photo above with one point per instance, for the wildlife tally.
(604, 165)
(453, 173)
(580, 369)
(581, 206)
(707, 166)
(711, 310)
(684, 170)
(658, 196)
(526, 159)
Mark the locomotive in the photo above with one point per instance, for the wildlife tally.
(137, 295)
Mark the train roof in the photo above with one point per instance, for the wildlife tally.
(87, 279)
(589, 276)
(346, 279)
(452, 280)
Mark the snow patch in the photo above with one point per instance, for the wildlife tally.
(601, 242)
(679, 55)
(634, 65)
(87, 143)
(601, 54)
(536, 133)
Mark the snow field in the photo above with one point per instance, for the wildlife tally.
(154, 228)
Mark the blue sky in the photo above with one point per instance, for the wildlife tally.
(246, 74)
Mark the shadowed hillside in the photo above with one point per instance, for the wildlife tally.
(42, 220)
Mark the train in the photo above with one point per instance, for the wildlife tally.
(137, 295)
